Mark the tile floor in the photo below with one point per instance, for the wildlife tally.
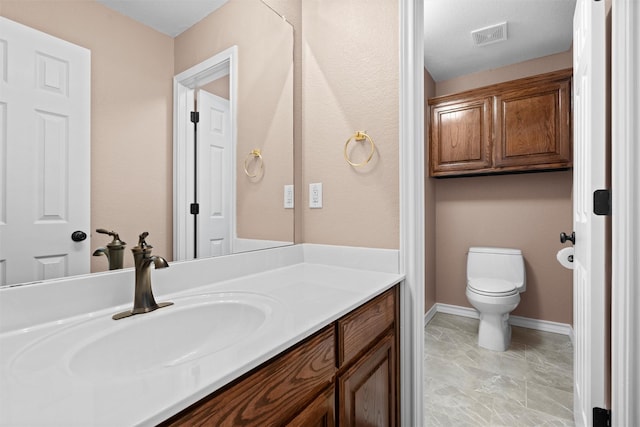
(531, 384)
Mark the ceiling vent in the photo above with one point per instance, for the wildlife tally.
(492, 34)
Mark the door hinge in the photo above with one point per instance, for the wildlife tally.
(195, 117)
(601, 417)
(195, 208)
(602, 202)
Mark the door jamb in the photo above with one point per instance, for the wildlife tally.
(625, 293)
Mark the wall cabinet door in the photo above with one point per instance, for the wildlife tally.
(368, 390)
(534, 126)
(461, 135)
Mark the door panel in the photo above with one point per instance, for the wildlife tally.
(45, 147)
(215, 220)
(589, 175)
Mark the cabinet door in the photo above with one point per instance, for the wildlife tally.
(461, 134)
(320, 413)
(368, 390)
(534, 127)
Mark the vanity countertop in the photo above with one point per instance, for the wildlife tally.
(306, 297)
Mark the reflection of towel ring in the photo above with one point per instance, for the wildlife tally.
(359, 136)
(253, 154)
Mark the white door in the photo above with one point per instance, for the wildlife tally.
(215, 180)
(589, 174)
(45, 87)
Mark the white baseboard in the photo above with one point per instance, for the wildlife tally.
(525, 322)
(430, 313)
(542, 325)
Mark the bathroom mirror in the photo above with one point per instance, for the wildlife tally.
(132, 119)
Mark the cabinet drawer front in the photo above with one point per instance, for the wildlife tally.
(283, 386)
(360, 328)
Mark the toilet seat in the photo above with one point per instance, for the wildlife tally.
(492, 287)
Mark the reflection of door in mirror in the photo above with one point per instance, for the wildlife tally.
(44, 162)
(215, 173)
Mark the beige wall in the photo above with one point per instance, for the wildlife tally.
(131, 116)
(264, 110)
(526, 211)
(429, 206)
(533, 67)
(350, 80)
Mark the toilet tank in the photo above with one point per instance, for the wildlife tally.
(496, 263)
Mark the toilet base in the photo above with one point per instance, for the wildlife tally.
(494, 332)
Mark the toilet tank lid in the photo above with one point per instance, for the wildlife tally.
(488, 250)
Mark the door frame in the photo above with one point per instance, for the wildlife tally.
(412, 235)
(183, 97)
(625, 327)
(625, 157)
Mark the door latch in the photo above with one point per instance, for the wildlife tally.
(602, 202)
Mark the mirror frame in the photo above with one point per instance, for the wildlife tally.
(183, 92)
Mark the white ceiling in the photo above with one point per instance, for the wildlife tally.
(170, 17)
(535, 28)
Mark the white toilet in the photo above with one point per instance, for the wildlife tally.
(495, 278)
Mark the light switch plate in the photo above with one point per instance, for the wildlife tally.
(288, 196)
(315, 195)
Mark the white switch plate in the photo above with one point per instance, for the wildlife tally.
(315, 195)
(288, 196)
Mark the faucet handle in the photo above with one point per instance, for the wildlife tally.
(116, 237)
(141, 240)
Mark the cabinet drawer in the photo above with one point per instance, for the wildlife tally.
(285, 385)
(360, 328)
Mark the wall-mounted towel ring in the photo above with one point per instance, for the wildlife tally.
(253, 154)
(359, 136)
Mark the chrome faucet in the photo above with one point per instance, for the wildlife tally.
(144, 301)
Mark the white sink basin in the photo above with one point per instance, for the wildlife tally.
(191, 328)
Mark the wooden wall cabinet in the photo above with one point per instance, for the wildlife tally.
(517, 126)
(346, 374)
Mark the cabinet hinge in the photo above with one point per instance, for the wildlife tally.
(195, 208)
(602, 202)
(601, 417)
(195, 117)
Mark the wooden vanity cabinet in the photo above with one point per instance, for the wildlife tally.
(517, 126)
(346, 374)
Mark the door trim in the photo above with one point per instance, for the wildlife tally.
(625, 300)
(412, 236)
(183, 87)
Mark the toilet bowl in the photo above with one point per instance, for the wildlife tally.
(495, 279)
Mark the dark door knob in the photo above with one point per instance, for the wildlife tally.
(571, 238)
(78, 236)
